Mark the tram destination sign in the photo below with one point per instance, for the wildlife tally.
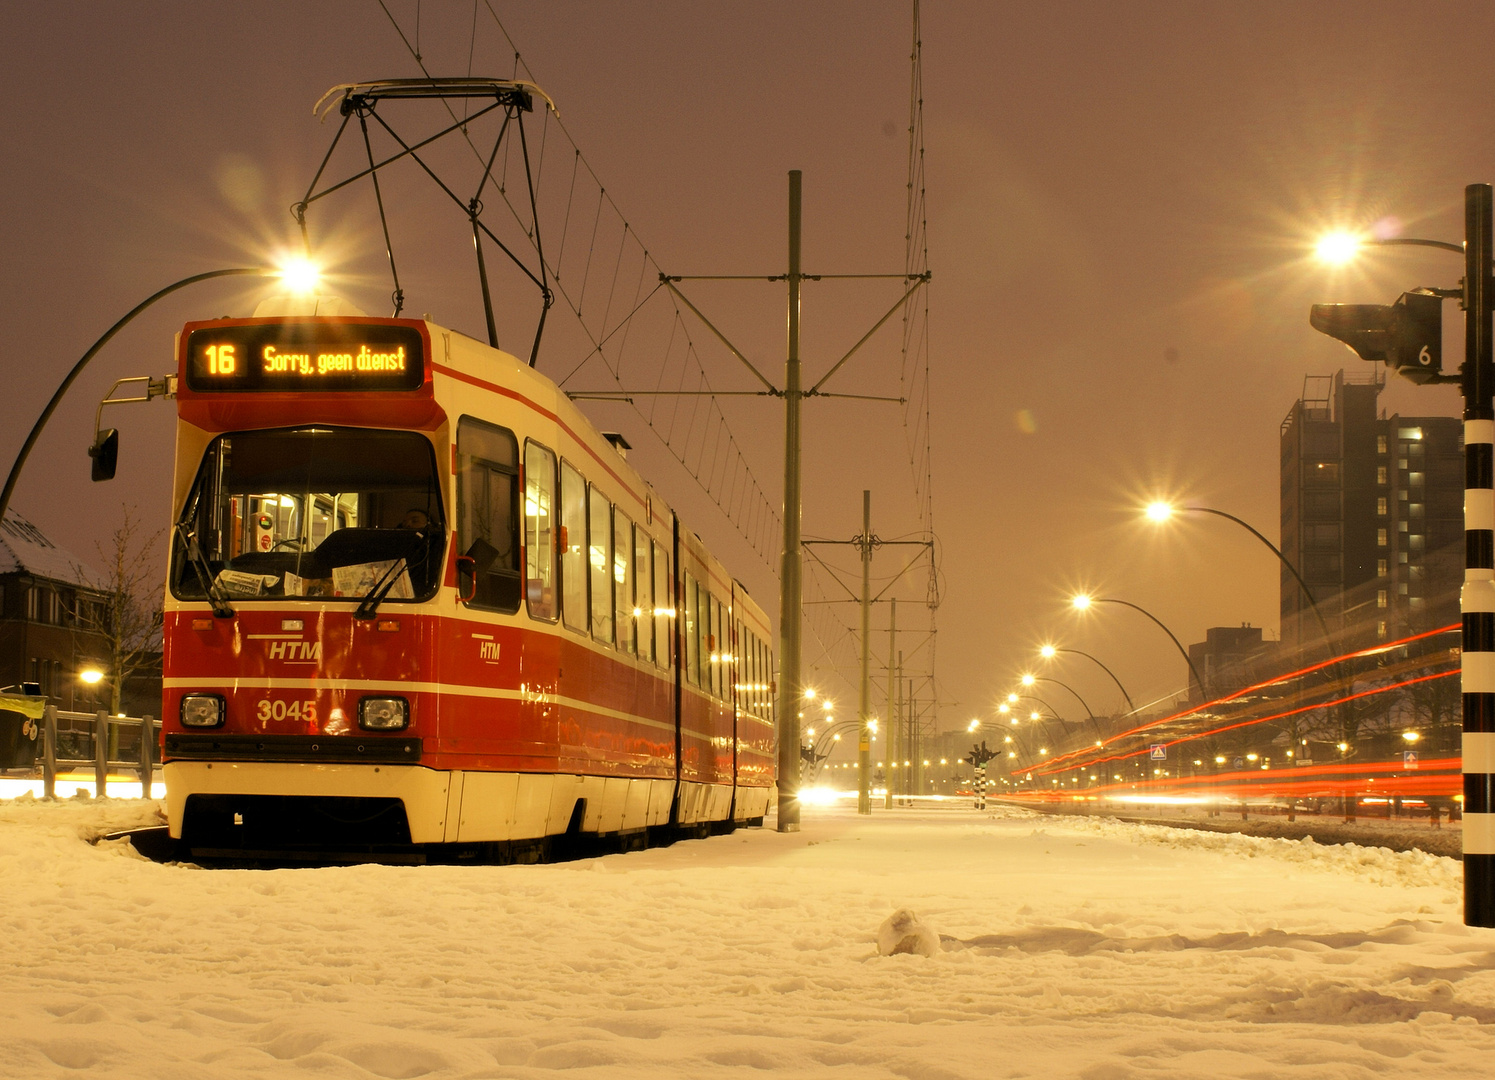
(305, 356)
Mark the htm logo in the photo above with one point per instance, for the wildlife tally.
(488, 650)
(295, 650)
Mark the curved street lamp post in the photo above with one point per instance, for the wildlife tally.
(1083, 602)
(1049, 651)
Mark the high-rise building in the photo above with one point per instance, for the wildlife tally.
(1372, 516)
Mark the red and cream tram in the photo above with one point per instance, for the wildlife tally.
(416, 598)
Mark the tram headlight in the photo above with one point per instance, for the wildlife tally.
(383, 714)
(202, 710)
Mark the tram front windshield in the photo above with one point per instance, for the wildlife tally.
(312, 513)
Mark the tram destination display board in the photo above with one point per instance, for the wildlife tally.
(305, 356)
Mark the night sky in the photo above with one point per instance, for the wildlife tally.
(1121, 200)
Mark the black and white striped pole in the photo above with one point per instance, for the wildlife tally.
(1477, 600)
(1407, 336)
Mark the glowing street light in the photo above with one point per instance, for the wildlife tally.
(92, 676)
(300, 275)
(1337, 248)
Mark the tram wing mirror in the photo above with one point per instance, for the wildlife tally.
(483, 555)
(479, 559)
(105, 455)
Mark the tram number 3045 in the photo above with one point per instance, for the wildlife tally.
(279, 709)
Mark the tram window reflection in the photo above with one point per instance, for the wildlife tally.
(600, 558)
(488, 514)
(643, 583)
(623, 579)
(573, 545)
(664, 607)
(688, 632)
(539, 531)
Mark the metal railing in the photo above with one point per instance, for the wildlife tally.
(77, 738)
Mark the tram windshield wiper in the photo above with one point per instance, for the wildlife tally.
(375, 596)
(387, 580)
(222, 609)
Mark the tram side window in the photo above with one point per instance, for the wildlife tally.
(600, 556)
(688, 633)
(718, 649)
(573, 545)
(487, 514)
(644, 603)
(765, 679)
(539, 531)
(739, 663)
(760, 676)
(664, 607)
(742, 667)
(703, 634)
(754, 673)
(623, 579)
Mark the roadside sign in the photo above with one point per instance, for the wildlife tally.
(1409, 759)
(1240, 763)
(1159, 752)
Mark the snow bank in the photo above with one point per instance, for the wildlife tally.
(1086, 949)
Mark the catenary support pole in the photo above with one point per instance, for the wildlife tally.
(864, 741)
(1478, 597)
(791, 693)
(891, 737)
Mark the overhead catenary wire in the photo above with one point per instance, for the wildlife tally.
(744, 514)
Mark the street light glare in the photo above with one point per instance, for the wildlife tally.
(1338, 248)
(300, 275)
(1081, 602)
(1157, 511)
(1047, 652)
(1028, 680)
(91, 676)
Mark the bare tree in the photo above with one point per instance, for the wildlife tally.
(124, 607)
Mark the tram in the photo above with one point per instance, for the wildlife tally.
(417, 602)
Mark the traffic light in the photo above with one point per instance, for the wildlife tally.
(105, 454)
(1406, 335)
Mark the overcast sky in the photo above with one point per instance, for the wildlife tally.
(1120, 199)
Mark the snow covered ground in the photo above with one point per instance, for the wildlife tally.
(1092, 949)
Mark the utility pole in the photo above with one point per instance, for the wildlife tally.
(866, 544)
(790, 583)
(864, 742)
(892, 735)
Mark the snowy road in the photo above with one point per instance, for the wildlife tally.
(1072, 948)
